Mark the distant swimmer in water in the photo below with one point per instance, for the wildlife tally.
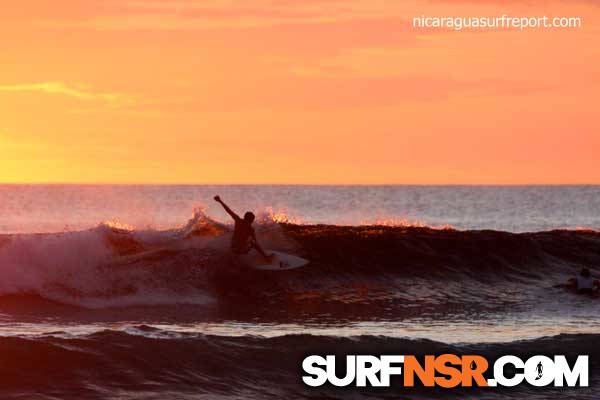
(584, 283)
(244, 238)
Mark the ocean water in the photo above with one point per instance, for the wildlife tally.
(130, 291)
(54, 208)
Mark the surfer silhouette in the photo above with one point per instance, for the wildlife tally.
(585, 283)
(539, 369)
(244, 237)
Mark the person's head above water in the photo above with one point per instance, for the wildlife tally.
(249, 217)
(585, 272)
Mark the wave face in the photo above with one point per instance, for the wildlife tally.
(135, 364)
(403, 267)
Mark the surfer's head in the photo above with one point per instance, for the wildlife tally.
(585, 272)
(249, 217)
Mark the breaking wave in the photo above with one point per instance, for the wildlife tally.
(116, 266)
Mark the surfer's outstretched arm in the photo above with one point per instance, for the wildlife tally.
(226, 207)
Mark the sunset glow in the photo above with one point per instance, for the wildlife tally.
(326, 91)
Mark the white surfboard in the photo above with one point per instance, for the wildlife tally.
(281, 261)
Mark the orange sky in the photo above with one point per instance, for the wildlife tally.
(295, 91)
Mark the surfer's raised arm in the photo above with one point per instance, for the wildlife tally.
(226, 207)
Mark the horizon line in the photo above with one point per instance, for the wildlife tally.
(280, 184)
